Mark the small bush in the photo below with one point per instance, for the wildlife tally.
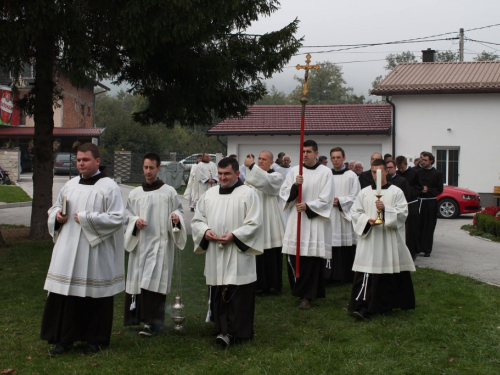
(488, 224)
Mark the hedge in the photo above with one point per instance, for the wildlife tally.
(488, 224)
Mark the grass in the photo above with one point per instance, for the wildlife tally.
(13, 194)
(473, 231)
(455, 329)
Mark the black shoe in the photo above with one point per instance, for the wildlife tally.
(192, 209)
(414, 256)
(427, 255)
(91, 349)
(223, 340)
(59, 349)
(148, 330)
(362, 314)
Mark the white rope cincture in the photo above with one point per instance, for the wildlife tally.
(209, 313)
(424, 199)
(132, 305)
(363, 286)
(291, 266)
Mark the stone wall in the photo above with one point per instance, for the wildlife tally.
(9, 160)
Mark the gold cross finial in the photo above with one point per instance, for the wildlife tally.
(307, 67)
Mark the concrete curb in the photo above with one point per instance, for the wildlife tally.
(18, 204)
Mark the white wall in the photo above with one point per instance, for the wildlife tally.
(474, 119)
(357, 147)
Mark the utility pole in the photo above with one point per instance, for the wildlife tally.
(461, 46)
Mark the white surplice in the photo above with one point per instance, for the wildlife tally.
(189, 192)
(88, 258)
(316, 233)
(204, 172)
(267, 186)
(240, 214)
(152, 249)
(346, 190)
(382, 249)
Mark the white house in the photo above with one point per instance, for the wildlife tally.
(359, 129)
(453, 111)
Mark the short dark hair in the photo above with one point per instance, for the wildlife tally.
(390, 161)
(336, 149)
(400, 160)
(429, 155)
(311, 143)
(378, 162)
(232, 156)
(387, 156)
(321, 158)
(152, 156)
(280, 154)
(94, 150)
(226, 162)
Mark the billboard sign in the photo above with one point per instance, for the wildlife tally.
(9, 114)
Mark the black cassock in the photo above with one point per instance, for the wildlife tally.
(433, 179)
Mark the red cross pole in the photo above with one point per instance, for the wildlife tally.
(304, 100)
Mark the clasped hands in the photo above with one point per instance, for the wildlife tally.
(141, 223)
(224, 239)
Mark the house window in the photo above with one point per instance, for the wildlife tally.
(83, 109)
(88, 111)
(447, 163)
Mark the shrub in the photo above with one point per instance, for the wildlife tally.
(487, 223)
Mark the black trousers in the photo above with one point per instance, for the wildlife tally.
(149, 308)
(269, 267)
(428, 220)
(382, 292)
(67, 319)
(233, 309)
(311, 281)
(413, 228)
(339, 268)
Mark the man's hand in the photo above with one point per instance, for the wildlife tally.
(248, 161)
(141, 223)
(335, 201)
(226, 238)
(76, 218)
(299, 180)
(426, 189)
(60, 218)
(380, 205)
(371, 221)
(210, 235)
(301, 207)
(175, 218)
(211, 181)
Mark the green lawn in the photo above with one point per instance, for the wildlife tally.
(13, 194)
(454, 330)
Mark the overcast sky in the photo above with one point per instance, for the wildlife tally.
(329, 22)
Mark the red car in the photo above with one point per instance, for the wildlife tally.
(455, 201)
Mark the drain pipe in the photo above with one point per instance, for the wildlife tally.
(222, 143)
(393, 126)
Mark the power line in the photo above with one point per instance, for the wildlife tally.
(483, 27)
(482, 41)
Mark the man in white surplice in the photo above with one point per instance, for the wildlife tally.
(316, 232)
(189, 193)
(267, 183)
(155, 227)
(383, 263)
(343, 237)
(86, 269)
(205, 177)
(227, 229)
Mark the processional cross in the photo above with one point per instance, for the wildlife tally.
(306, 67)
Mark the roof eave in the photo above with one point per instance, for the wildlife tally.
(296, 132)
(488, 90)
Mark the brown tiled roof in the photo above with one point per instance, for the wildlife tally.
(441, 78)
(320, 119)
(58, 132)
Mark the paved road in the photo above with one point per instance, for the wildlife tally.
(454, 250)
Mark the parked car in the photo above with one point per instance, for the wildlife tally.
(62, 163)
(188, 162)
(456, 201)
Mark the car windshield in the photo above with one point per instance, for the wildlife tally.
(65, 157)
